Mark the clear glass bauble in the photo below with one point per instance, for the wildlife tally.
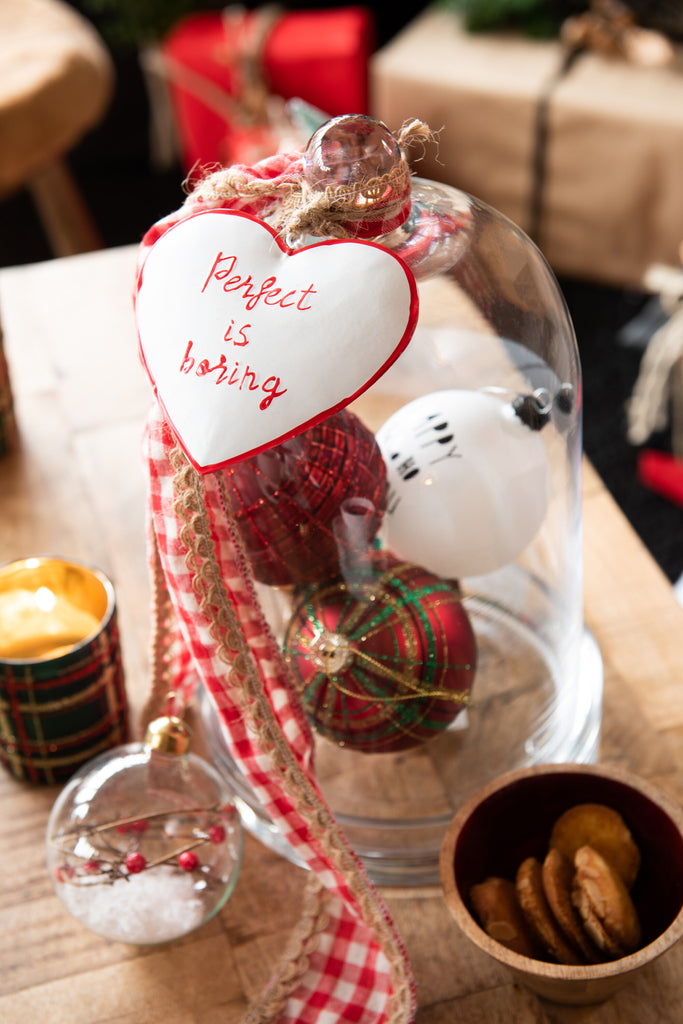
(453, 483)
(144, 846)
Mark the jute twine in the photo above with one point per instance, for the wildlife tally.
(648, 408)
(332, 211)
(347, 899)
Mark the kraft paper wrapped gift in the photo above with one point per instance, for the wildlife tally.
(611, 190)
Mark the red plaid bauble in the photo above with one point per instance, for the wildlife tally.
(310, 507)
(385, 661)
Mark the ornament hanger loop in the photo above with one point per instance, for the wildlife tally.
(544, 401)
(535, 409)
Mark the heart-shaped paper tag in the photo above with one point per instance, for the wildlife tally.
(248, 343)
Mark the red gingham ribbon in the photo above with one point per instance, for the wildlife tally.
(352, 966)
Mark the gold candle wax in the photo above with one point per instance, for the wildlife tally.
(46, 607)
(61, 682)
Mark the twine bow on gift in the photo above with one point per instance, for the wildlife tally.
(255, 119)
(346, 960)
(610, 28)
(648, 408)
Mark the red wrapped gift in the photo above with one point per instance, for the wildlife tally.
(221, 66)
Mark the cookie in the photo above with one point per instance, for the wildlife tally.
(604, 904)
(557, 875)
(538, 915)
(495, 904)
(604, 830)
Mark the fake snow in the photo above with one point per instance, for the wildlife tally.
(157, 905)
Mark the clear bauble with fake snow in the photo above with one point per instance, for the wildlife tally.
(144, 843)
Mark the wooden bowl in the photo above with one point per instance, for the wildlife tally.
(511, 819)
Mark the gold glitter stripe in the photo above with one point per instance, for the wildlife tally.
(35, 707)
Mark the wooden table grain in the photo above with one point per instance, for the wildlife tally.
(75, 487)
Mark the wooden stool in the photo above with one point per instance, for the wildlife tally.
(56, 80)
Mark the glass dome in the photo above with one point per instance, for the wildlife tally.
(442, 642)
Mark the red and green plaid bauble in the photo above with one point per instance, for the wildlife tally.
(385, 661)
(310, 507)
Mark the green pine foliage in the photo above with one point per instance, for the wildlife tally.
(131, 24)
(533, 17)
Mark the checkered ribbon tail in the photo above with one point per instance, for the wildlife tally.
(346, 961)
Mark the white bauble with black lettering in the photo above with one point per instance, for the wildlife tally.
(469, 482)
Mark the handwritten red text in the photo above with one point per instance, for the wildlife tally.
(240, 338)
(240, 376)
(268, 292)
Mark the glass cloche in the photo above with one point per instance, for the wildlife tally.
(419, 553)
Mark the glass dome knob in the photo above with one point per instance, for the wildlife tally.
(356, 160)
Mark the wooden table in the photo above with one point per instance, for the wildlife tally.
(76, 488)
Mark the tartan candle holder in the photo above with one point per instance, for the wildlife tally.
(62, 696)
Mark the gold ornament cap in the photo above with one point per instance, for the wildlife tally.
(168, 735)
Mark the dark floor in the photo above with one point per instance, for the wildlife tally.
(126, 197)
(610, 369)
